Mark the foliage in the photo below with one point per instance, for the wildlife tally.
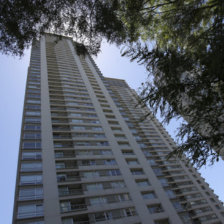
(86, 21)
(186, 63)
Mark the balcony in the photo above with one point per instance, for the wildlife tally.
(30, 197)
(66, 165)
(61, 136)
(61, 128)
(31, 182)
(63, 145)
(70, 191)
(64, 154)
(73, 207)
(68, 178)
(23, 215)
(30, 169)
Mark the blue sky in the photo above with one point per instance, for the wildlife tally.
(13, 73)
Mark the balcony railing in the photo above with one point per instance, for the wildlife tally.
(71, 192)
(68, 179)
(31, 182)
(31, 169)
(73, 207)
(35, 157)
(30, 197)
(23, 215)
(67, 167)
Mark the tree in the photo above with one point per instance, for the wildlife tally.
(86, 21)
(179, 41)
(186, 63)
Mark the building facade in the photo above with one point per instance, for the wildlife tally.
(87, 157)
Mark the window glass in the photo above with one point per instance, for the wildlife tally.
(32, 127)
(30, 179)
(155, 208)
(137, 172)
(30, 193)
(148, 195)
(95, 186)
(32, 120)
(32, 210)
(97, 200)
(31, 166)
(142, 183)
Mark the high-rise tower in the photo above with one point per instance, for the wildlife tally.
(85, 156)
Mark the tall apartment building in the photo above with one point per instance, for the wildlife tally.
(85, 157)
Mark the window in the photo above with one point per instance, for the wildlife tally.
(158, 171)
(147, 153)
(114, 172)
(142, 183)
(33, 91)
(207, 217)
(32, 136)
(32, 120)
(65, 206)
(129, 212)
(148, 195)
(32, 113)
(97, 128)
(177, 206)
(105, 152)
(32, 127)
(60, 165)
(32, 107)
(31, 145)
(164, 182)
(118, 184)
(101, 216)
(33, 86)
(30, 179)
(97, 200)
(31, 155)
(78, 127)
(59, 154)
(127, 152)
(110, 162)
(155, 208)
(88, 162)
(31, 193)
(67, 221)
(32, 210)
(170, 193)
(132, 161)
(137, 172)
(31, 167)
(186, 218)
(123, 144)
(91, 174)
(199, 202)
(95, 186)
(152, 162)
(33, 101)
(162, 221)
(61, 177)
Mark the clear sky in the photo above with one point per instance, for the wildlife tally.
(13, 73)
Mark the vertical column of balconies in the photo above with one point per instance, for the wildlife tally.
(181, 188)
(84, 162)
(29, 190)
(103, 189)
(60, 79)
